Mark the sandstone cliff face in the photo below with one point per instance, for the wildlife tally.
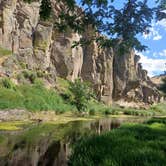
(131, 82)
(37, 45)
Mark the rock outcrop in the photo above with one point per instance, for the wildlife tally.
(37, 46)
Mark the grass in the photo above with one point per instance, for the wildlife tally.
(10, 126)
(32, 97)
(5, 52)
(35, 97)
(131, 144)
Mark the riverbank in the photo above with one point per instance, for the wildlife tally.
(53, 143)
(19, 119)
(131, 144)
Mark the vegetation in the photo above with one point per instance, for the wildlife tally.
(68, 96)
(131, 144)
(5, 52)
(45, 8)
(121, 26)
(10, 126)
(82, 93)
(33, 97)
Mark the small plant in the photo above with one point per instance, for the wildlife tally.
(108, 111)
(7, 83)
(30, 75)
(92, 112)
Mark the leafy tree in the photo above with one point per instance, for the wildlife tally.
(81, 92)
(160, 11)
(45, 9)
(121, 26)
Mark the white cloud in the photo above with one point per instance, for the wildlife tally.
(153, 34)
(158, 37)
(152, 65)
(160, 54)
(162, 23)
(163, 53)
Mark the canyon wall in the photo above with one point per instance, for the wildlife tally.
(36, 45)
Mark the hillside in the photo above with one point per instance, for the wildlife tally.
(29, 44)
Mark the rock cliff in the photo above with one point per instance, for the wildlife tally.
(28, 43)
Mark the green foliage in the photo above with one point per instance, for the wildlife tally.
(29, 1)
(32, 97)
(92, 112)
(108, 111)
(81, 94)
(120, 25)
(131, 144)
(7, 83)
(161, 9)
(136, 112)
(5, 52)
(45, 9)
(30, 75)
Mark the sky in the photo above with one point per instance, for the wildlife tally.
(154, 59)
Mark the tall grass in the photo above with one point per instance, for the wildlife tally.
(131, 144)
(33, 97)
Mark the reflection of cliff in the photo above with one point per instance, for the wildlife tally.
(104, 125)
(56, 155)
(38, 46)
(46, 151)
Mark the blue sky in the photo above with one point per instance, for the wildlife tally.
(154, 59)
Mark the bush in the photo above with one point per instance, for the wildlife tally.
(30, 75)
(81, 94)
(92, 112)
(108, 111)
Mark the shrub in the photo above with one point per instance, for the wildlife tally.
(108, 111)
(30, 75)
(81, 94)
(92, 112)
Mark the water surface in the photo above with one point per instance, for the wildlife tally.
(49, 144)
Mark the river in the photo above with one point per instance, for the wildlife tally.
(47, 144)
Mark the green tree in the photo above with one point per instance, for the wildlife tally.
(120, 25)
(81, 92)
(45, 9)
(160, 11)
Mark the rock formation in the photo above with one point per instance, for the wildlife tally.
(36, 45)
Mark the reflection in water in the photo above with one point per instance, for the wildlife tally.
(49, 145)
